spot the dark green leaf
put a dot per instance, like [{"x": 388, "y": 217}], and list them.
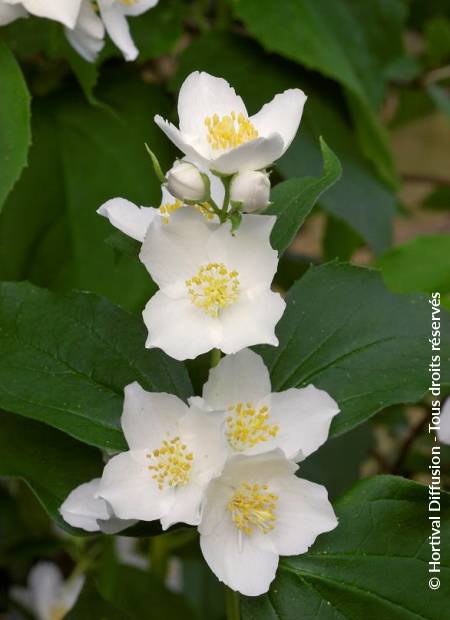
[
  {"x": 422, "y": 264},
  {"x": 66, "y": 359},
  {"x": 293, "y": 199},
  {"x": 92, "y": 606},
  {"x": 132, "y": 590},
  {"x": 374, "y": 565},
  {"x": 344, "y": 332},
  {"x": 81, "y": 156},
  {"x": 359, "y": 198},
  {"x": 438, "y": 199},
  {"x": 340, "y": 241},
  {"x": 50, "y": 462},
  {"x": 15, "y": 134},
  {"x": 332, "y": 37}
]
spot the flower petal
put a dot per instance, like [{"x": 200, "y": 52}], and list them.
[
  {"x": 9, "y": 13},
  {"x": 148, "y": 417},
  {"x": 179, "y": 328},
  {"x": 282, "y": 115},
  {"x": 127, "y": 217},
  {"x": 82, "y": 508},
  {"x": 304, "y": 417},
  {"x": 181, "y": 142},
  {"x": 303, "y": 512},
  {"x": 127, "y": 485},
  {"x": 173, "y": 252},
  {"x": 241, "y": 377},
  {"x": 138, "y": 7},
  {"x": 251, "y": 320},
  {"x": 186, "y": 506},
  {"x": 253, "y": 155},
  {"x": 248, "y": 250},
  {"x": 203, "y": 433},
  {"x": 64, "y": 11},
  {"x": 118, "y": 29},
  {"x": 202, "y": 95}
]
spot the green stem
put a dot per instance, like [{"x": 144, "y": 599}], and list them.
[
  {"x": 159, "y": 558},
  {"x": 215, "y": 357},
  {"x": 232, "y": 604},
  {"x": 226, "y": 199}
]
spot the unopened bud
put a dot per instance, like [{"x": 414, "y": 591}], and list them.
[
  {"x": 185, "y": 182},
  {"x": 252, "y": 189}
]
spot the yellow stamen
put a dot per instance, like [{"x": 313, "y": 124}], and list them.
[
  {"x": 172, "y": 463},
  {"x": 213, "y": 288},
  {"x": 247, "y": 426},
  {"x": 168, "y": 208},
  {"x": 252, "y": 505},
  {"x": 229, "y": 131}
]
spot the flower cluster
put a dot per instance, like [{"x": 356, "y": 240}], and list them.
[
  {"x": 85, "y": 21},
  {"x": 225, "y": 462}
]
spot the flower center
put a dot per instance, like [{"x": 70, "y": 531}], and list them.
[
  {"x": 229, "y": 131},
  {"x": 129, "y": 2},
  {"x": 252, "y": 505},
  {"x": 57, "y": 612},
  {"x": 247, "y": 426},
  {"x": 171, "y": 463},
  {"x": 213, "y": 288},
  {"x": 168, "y": 208}
]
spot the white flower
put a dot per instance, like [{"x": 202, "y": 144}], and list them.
[
  {"x": 64, "y": 11},
  {"x": 252, "y": 188},
  {"x": 9, "y": 13},
  {"x": 47, "y": 595},
  {"x": 444, "y": 428},
  {"x": 185, "y": 182},
  {"x": 256, "y": 511},
  {"x": 83, "y": 508},
  {"x": 216, "y": 131},
  {"x": 296, "y": 420},
  {"x": 214, "y": 287},
  {"x": 88, "y": 35},
  {"x": 174, "y": 452}
]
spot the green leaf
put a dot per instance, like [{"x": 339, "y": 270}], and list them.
[
  {"x": 339, "y": 241},
  {"x": 83, "y": 156},
  {"x": 344, "y": 332},
  {"x": 15, "y": 136},
  {"x": 373, "y": 565},
  {"x": 51, "y": 463},
  {"x": 157, "y": 31},
  {"x": 66, "y": 359},
  {"x": 359, "y": 199},
  {"x": 131, "y": 590},
  {"x": 293, "y": 199},
  {"x": 332, "y": 37},
  {"x": 422, "y": 264},
  {"x": 92, "y": 606}
]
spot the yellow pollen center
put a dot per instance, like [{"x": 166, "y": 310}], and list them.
[
  {"x": 247, "y": 426},
  {"x": 171, "y": 463},
  {"x": 168, "y": 208},
  {"x": 213, "y": 288},
  {"x": 57, "y": 612},
  {"x": 253, "y": 506},
  {"x": 229, "y": 131},
  {"x": 128, "y": 2}
]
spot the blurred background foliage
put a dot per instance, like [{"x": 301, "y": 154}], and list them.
[{"x": 377, "y": 76}]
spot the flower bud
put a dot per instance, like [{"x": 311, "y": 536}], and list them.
[
  {"x": 185, "y": 182},
  {"x": 252, "y": 188}
]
